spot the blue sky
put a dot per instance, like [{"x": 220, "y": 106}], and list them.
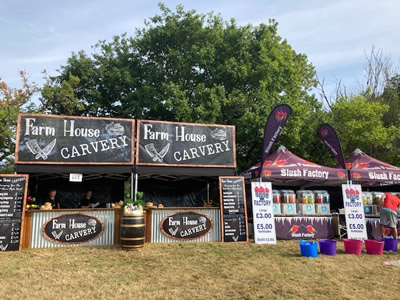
[{"x": 37, "y": 35}]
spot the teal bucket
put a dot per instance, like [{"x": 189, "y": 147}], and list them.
[{"x": 308, "y": 248}]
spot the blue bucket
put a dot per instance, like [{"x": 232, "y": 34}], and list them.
[{"x": 308, "y": 248}]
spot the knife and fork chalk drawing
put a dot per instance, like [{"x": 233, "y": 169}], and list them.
[
  {"x": 157, "y": 156},
  {"x": 34, "y": 147}
]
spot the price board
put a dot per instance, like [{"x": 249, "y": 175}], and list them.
[
  {"x": 12, "y": 210},
  {"x": 233, "y": 209},
  {"x": 354, "y": 212},
  {"x": 263, "y": 213}
]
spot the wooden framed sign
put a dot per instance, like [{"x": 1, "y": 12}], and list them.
[
  {"x": 49, "y": 139},
  {"x": 73, "y": 228},
  {"x": 185, "y": 144},
  {"x": 233, "y": 209},
  {"x": 186, "y": 225},
  {"x": 13, "y": 189}
]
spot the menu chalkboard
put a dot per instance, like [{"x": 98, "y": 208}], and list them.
[
  {"x": 48, "y": 139},
  {"x": 233, "y": 209},
  {"x": 185, "y": 144},
  {"x": 12, "y": 209}
]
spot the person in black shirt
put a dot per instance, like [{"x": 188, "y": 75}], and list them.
[
  {"x": 52, "y": 198},
  {"x": 88, "y": 201}
]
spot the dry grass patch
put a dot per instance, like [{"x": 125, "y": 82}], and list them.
[{"x": 195, "y": 271}]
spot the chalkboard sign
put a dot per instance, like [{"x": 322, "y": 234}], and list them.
[
  {"x": 73, "y": 228},
  {"x": 233, "y": 209},
  {"x": 185, "y": 144},
  {"x": 186, "y": 225},
  {"x": 48, "y": 139},
  {"x": 12, "y": 210}
]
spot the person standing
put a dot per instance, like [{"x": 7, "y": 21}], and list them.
[
  {"x": 389, "y": 214},
  {"x": 52, "y": 198},
  {"x": 88, "y": 201}
]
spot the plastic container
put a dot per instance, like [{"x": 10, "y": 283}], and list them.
[
  {"x": 276, "y": 196},
  {"x": 367, "y": 198},
  {"x": 321, "y": 197},
  {"x": 327, "y": 247},
  {"x": 389, "y": 244},
  {"x": 374, "y": 247},
  {"x": 308, "y": 248},
  {"x": 305, "y": 196},
  {"x": 288, "y": 196},
  {"x": 352, "y": 246}
]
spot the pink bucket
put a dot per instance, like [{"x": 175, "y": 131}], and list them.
[
  {"x": 352, "y": 246},
  {"x": 374, "y": 247}
]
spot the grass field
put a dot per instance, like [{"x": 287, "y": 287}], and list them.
[{"x": 196, "y": 271}]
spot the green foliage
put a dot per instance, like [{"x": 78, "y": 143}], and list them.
[
  {"x": 191, "y": 67},
  {"x": 12, "y": 102},
  {"x": 139, "y": 199},
  {"x": 359, "y": 124}
]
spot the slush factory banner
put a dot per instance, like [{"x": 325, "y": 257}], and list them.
[
  {"x": 183, "y": 144},
  {"x": 47, "y": 139},
  {"x": 354, "y": 212},
  {"x": 263, "y": 214}
]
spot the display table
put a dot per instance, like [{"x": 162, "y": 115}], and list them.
[
  {"x": 307, "y": 227},
  {"x": 71, "y": 227}
]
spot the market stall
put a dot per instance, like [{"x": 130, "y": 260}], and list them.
[
  {"x": 376, "y": 177},
  {"x": 304, "y": 213},
  {"x": 177, "y": 169},
  {"x": 67, "y": 156}
]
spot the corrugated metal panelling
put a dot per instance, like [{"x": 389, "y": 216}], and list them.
[
  {"x": 158, "y": 215},
  {"x": 40, "y": 218}
]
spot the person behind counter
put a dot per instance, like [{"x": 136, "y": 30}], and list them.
[
  {"x": 52, "y": 198},
  {"x": 88, "y": 201}
]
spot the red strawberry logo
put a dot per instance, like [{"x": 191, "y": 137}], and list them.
[
  {"x": 310, "y": 229},
  {"x": 324, "y": 132},
  {"x": 267, "y": 163},
  {"x": 348, "y": 165},
  {"x": 356, "y": 176},
  {"x": 294, "y": 229},
  {"x": 267, "y": 173},
  {"x": 341, "y": 175},
  {"x": 280, "y": 115},
  {"x": 362, "y": 165},
  {"x": 280, "y": 162}
]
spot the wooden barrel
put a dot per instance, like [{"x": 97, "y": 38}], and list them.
[{"x": 132, "y": 232}]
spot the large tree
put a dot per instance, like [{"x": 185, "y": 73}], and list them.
[
  {"x": 185, "y": 66},
  {"x": 12, "y": 102}
]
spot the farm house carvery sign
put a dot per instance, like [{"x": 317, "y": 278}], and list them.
[
  {"x": 73, "y": 228},
  {"x": 186, "y": 225},
  {"x": 183, "y": 144},
  {"x": 51, "y": 139}
]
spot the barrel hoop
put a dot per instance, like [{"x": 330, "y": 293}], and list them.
[
  {"x": 134, "y": 225},
  {"x": 132, "y": 246},
  {"x": 132, "y": 239}
]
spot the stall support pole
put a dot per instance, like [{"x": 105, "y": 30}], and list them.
[
  {"x": 136, "y": 184},
  {"x": 132, "y": 196},
  {"x": 208, "y": 192}
]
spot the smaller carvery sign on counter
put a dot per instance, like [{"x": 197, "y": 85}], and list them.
[
  {"x": 354, "y": 212},
  {"x": 263, "y": 213},
  {"x": 73, "y": 228},
  {"x": 48, "y": 139},
  {"x": 185, "y": 144},
  {"x": 233, "y": 209},
  {"x": 186, "y": 225}
]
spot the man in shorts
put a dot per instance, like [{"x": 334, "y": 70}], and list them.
[{"x": 389, "y": 214}]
